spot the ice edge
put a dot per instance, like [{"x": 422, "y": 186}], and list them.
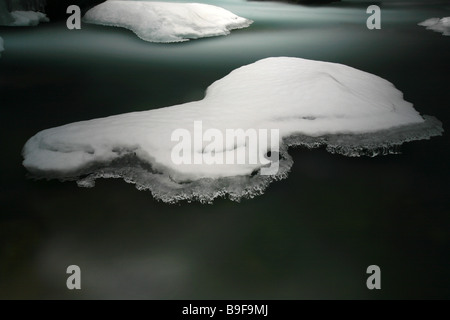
[{"x": 205, "y": 190}]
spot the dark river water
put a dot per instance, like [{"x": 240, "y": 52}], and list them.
[{"x": 312, "y": 235}]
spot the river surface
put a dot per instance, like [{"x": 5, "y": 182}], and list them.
[{"x": 312, "y": 235}]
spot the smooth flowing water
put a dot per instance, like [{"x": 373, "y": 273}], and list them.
[{"x": 310, "y": 236}]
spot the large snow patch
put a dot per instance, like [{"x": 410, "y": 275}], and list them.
[
  {"x": 166, "y": 21},
  {"x": 311, "y": 103}
]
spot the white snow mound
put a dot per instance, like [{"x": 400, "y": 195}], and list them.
[
  {"x": 311, "y": 103},
  {"x": 23, "y": 18},
  {"x": 166, "y": 21},
  {"x": 28, "y": 18},
  {"x": 438, "y": 25}
]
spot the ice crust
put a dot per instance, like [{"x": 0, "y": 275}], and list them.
[{"x": 439, "y": 25}]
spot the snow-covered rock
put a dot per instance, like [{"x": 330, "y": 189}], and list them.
[
  {"x": 27, "y": 18},
  {"x": 22, "y": 13},
  {"x": 311, "y": 103},
  {"x": 438, "y": 25},
  {"x": 165, "y": 21},
  {"x": 22, "y": 18}
]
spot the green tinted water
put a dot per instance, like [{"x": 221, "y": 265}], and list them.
[{"x": 310, "y": 236}]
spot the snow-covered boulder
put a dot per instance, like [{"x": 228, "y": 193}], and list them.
[
  {"x": 23, "y": 13},
  {"x": 309, "y": 103},
  {"x": 166, "y": 21},
  {"x": 27, "y": 18}
]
